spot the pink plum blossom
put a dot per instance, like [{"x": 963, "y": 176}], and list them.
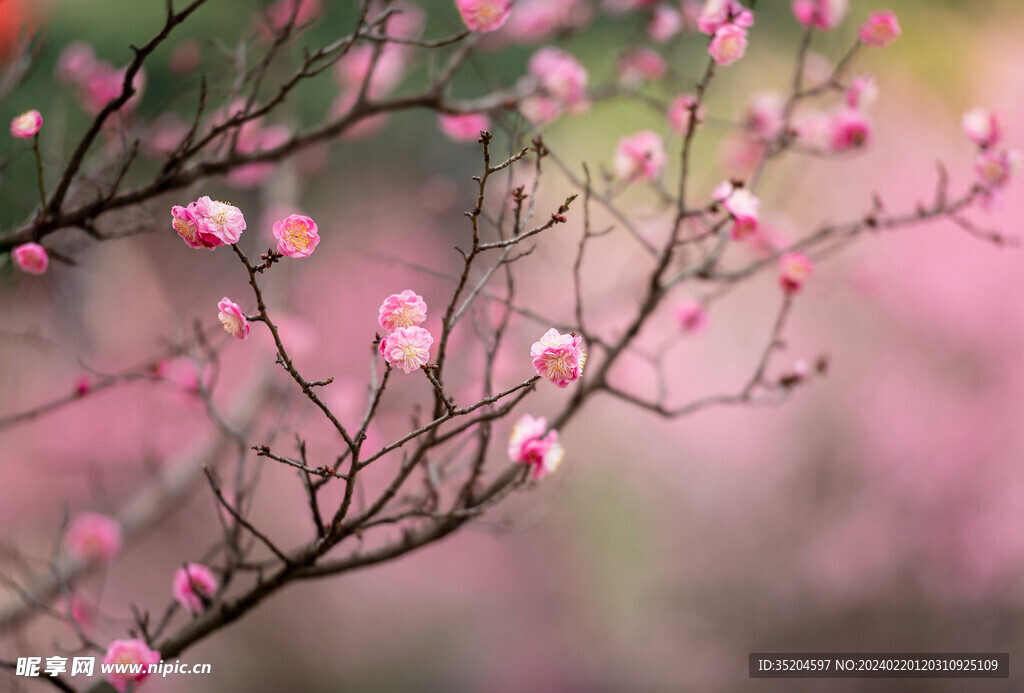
[
  {"x": 539, "y": 110},
  {"x": 219, "y": 219},
  {"x": 666, "y": 23},
  {"x": 849, "y": 130},
  {"x": 31, "y": 258},
  {"x": 560, "y": 75},
  {"x": 640, "y": 156},
  {"x": 728, "y": 45},
  {"x": 862, "y": 92},
  {"x": 75, "y": 63},
  {"x": 464, "y": 127},
  {"x": 484, "y": 15},
  {"x": 193, "y": 586},
  {"x": 280, "y": 13},
  {"x": 880, "y": 29},
  {"x": 297, "y": 236},
  {"x": 164, "y": 135},
  {"x": 407, "y": 348},
  {"x": 820, "y": 14},
  {"x": 742, "y": 206},
  {"x": 127, "y": 652},
  {"x": 536, "y": 20},
  {"x": 679, "y": 112},
  {"x": 354, "y": 67},
  {"x": 105, "y": 83},
  {"x": 184, "y": 221},
  {"x": 794, "y": 270},
  {"x": 232, "y": 318},
  {"x": 93, "y": 537},
  {"x": 641, "y": 64},
  {"x": 691, "y": 316},
  {"x": 559, "y": 357},
  {"x": 402, "y": 310},
  {"x": 996, "y": 168},
  {"x": 528, "y": 444},
  {"x": 26, "y": 125},
  {"x": 720, "y": 13},
  {"x": 763, "y": 117},
  {"x": 983, "y": 127}
]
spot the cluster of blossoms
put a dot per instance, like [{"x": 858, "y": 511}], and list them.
[
  {"x": 726, "y": 22},
  {"x": 27, "y": 125},
  {"x": 97, "y": 82},
  {"x": 559, "y": 357},
  {"x": 129, "y": 652},
  {"x": 532, "y": 444},
  {"x": 208, "y": 223},
  {"x": 563, "y": 86},
  {"x": 193, "y": 586},
  {"x": 994, "y": 166},
  {"x": 406, "y": 345}
]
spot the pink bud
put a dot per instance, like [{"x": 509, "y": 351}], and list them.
[{"x": 31, "y": 258}]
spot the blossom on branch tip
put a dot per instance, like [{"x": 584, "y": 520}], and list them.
[
  {"x": 728, "y": 45},
  {"x": 402, "y": 310},
  {"x": 218, "y": 219},
  {"x": 93, "y": 537},
  {"x": 297, "y": 236},
  {"x": 31, "y": 258},
  {"x": 407, "y": 348},
  {"x": 794, "y": 270},
  {"x": 484, "y": 15},
  {"x": 559, "y": 357},
  {"x": 880, "y": 29},
  {"x": 463, "y": 127},
  {"x": 528, "y": 444},
  {"x": 983, "y": 127},
  {"x": 192, "y": 586},
  {"x": 26, "y": 125},
  {"x": 996, "y": 168},
  {"x": 742, "y": 205},
  {"x": 232, "y": 318},
  {"x": 126, "y": 653},
  {"x": 640, "y": 156},
  {"x": 820, "y": 14}
]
